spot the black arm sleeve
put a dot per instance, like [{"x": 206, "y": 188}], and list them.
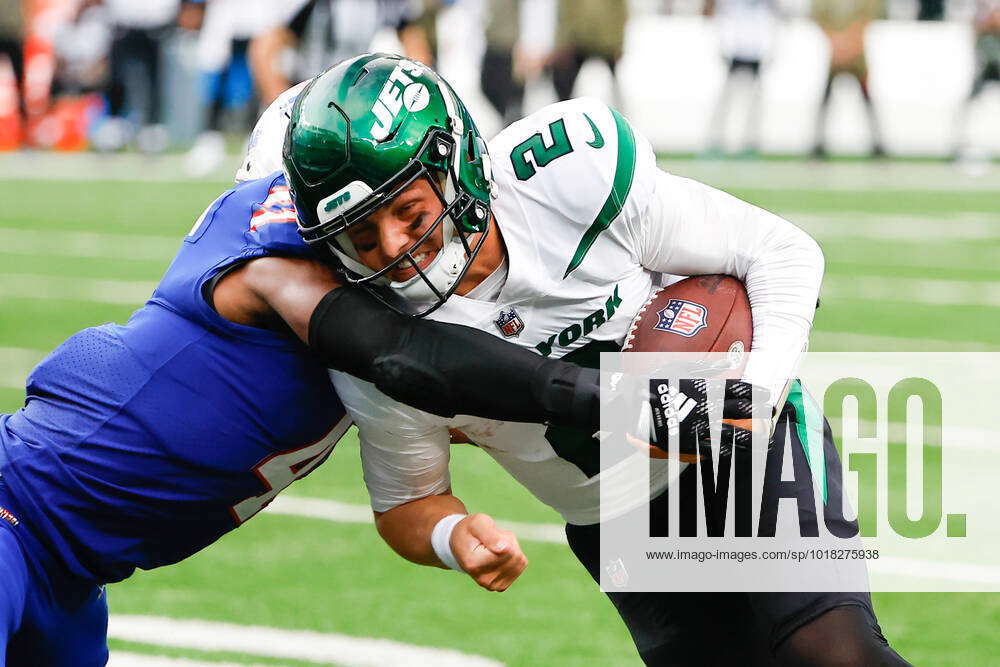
[{"x": 448, "y": 369}]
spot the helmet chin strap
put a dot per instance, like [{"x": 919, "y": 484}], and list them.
[
  {"x": 444, "y": 269},
  {"x": 442, "y": 273}
]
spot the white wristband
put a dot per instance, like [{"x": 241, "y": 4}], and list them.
[{"x": 441, "y": 540}]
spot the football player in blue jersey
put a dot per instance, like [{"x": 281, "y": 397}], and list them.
[{"x": 140, "y": 444}]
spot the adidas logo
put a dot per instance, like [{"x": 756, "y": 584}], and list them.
[{"x": 675, "y": 406}]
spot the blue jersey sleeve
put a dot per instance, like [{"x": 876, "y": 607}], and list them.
[
  {"x": 252, "y": 220},
  {"x": 141, "y": 443}
]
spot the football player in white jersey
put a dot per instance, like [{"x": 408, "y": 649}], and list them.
[{"x": 555, "y": 245}]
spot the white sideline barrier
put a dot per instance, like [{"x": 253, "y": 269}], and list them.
[
  {"x": 672, "y": 72},
  {"x": 921, "y": 75}
]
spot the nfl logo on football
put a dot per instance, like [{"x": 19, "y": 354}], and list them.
[
  {"x": 509, "y": 323},
  {"x": 685, "y": 318}
]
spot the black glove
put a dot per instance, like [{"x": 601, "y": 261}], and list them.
[{"x": 684, "y": 407}]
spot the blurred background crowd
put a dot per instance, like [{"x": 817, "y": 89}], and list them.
[{"x": 706, "y": 77}]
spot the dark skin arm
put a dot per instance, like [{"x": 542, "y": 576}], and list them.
[{"x": 276, "y": 293}]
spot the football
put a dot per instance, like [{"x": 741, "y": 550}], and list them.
[{"x": 697, "y": 314}]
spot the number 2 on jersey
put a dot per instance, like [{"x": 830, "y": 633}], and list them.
[{"x": 540, "y": 153}]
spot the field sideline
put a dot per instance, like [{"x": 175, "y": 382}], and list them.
[{"x": 907, "y": 268}]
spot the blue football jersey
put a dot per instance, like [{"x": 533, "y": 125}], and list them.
[{"x": 139, "y": 444}]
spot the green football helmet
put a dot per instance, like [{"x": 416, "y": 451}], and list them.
[{"x": 362, "y": 132}]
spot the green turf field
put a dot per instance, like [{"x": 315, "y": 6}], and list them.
[{"x": 77, "y": 253}]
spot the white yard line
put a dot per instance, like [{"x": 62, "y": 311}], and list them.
[
  {"x": 319, "y": 508},
  {"x": 910, "y": 290},
  {"x": 332, "y": 510},
  {"x": 550, "y": 533},
  {"x": 835, "y": 287},
  {"x": 728, "y": 174},
  {"x": 16, "y": 241},
  {"x": 15, "y": 364},
  {"x": 90, "y": 290},
  {"x": 918, "y": 254},
  {"x": 129, "y": 659},
  {"x": 965, "y": 573},
  {"x": 912, "y": 228},
  {"x": 961, "y": 227},
  {"x": 839, "y": 341},
  {"x": 89, "y": 167},
  {"x": 831, "y": 176},
  {"x": 953, "y": 437},
  {"x": 289, "y": 644}
]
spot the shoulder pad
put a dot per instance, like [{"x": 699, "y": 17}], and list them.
[{"x": 576, "y": 155}]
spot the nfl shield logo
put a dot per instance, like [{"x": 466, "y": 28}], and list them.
[
  {"x": 509, "y": 323},
  {"x": 617, "y": 573},
  {"x": 681, "y": 317}
]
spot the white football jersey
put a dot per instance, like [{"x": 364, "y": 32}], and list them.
[
  {"x": 589, "y": 223},
  {"x": 562, "y": 176}
]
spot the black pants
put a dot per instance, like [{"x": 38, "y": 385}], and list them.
[
  {"x": 824, "y": 105},
  {"x": 716, "y": 132},
  {"x": 985, "y": 72},
  {"x": 135, "y": 59},
  {"x": 499, "y": 86},
  {"x": 692, "y": 629},
  {"x": 14, "y": 49},
  {"x": 566, "y": 67}
]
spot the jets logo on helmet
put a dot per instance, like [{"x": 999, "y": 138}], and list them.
[
  {"x": 361, "y": 133},
  {"x": 341, "y": 201},
  {"x": 398, "y": 89}
]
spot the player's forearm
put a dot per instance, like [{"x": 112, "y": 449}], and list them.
[
  {"x": 407, "y": 528},
  {"x": 783, "y": 282},
  {"x": 416, "y": 46},
  {"x": 263, "y": 55},
  {"x": 696, "y": 229},
  {"x": 447, "y": 369}
]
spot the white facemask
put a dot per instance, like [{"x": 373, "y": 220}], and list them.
[{"x": 442, "y": 272}]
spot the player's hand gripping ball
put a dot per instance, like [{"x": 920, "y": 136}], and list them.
[{"x": 703, "y": 314}]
